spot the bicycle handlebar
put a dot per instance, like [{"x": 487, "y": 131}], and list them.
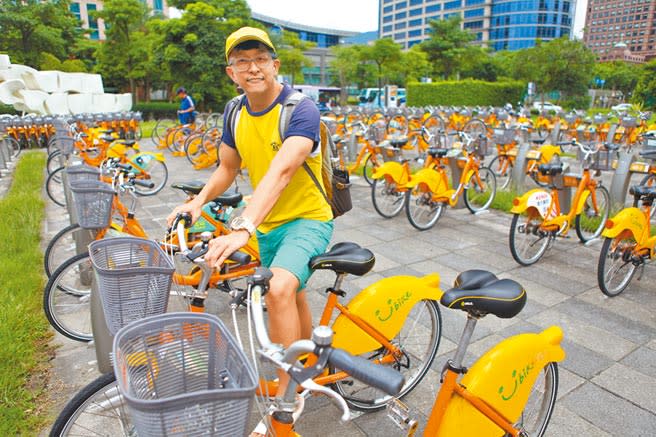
[
  {"x": 145, "y": 184},
  {"x": 384, "y": 378}
]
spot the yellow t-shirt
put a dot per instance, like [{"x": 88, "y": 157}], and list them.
[{"x": 257, "y": 141}]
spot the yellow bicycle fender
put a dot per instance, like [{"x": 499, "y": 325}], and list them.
[
  {"x": 628, "y": 219},
  {"x": 503, "y": 378},
  {"x": 427, "y": 179},
  {"x": 385, "y": 305},
  {"x": 393, "y": 170},
  {"x": 537, "y": 198},
  {"x": 581, "y": 204}
]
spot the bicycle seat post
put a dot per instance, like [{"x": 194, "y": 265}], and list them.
[{"x": 465, "y": 338}]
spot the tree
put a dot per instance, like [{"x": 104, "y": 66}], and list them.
[
  {"x": 645, "y": 90},
  {"x": 559, "y": 65},
  {"x": 344, "y": 68},
  {"x": 618, "y": 76},
  {"x": 447, "y": 46},
  {"x": 31, "y": 27},
  {"x": 386, "y": 55},
  {"x": 193, "y": 48},
  {"x": 121, "y": 56},
  {"x": 290, "y": 49},
  {"x": 478, "y": 64}
]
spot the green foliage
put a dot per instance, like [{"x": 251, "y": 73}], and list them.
[
  {"x": 49, "y": 62},
  {"x": 198, "y": 62},
  {"x": 559, "y": 65},
  {"x": 465, "y": 92},
  {"x": 73, "y": 66},
  {"x": 576, "y": 102},
  {"x": 447, "y": 47},
  {"x": 645, "y": 91},
  {"x": 290, "y": 48},
  {"x": 386, "y": 55},
  {"x": 32, "y": 27},
  {"x": 24, "y": 331},
  {"x": 156, "y": 110},
  {"x": 8, "y": 109},
  {"x": 618, "y": 75}
]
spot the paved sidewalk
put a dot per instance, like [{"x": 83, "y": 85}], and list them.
[{"x": 607, "y": 382}]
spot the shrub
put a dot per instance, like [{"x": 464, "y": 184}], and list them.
[
  {"x": 575, "y": 102},
  {"x": 8, "y": 109},
  {"x": 464, "y": 93},
  {"x": 157, "y": 110}
]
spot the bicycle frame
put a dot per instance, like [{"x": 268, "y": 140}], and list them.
[
  {"x": 494, "y": 391},
  {"x": 373, "y": 316},
  {"x": 547, "y": 204}
]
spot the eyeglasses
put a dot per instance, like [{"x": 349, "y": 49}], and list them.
[{"x": 244, "y": 64}]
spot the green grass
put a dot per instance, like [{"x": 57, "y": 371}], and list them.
[
  {"x": 503, "y": 200},
  {"x": 147, "y": 128},
  {"x": 24, "y": 332}
]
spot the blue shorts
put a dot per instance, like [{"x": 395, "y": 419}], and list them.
[{"x": 291, "y": 246}]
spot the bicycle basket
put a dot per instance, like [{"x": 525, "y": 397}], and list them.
[
  {"x": 183, "y": 374},
  {"x": 133, "y": 277},
  {"x": 79, "y": 172},
  {"x": 93, "y": 203},
  {"x": 504, "y": 136},
  {"x": 602, "y": 160}
]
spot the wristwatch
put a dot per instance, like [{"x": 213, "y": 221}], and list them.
[{"x": 239, "y": 223}]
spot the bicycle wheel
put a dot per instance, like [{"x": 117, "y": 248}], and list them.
[
  {"x": 370, "y": 164},
  {"x": 418, "y": 340},
  {"x": 527, "y": 242},
  {"x": 501, "y": 166},
  {"x": 433, "y": 131},
  {"x": 480, "y": 192},
  {"x": 615, "y": 268},
  {"x": 55, "y": 187},
  {"x": 536, "y": 414},
  {"x": 98, "y": 409},
  {"x": 590, "y": 223},
  {"x": 154, "y": 171},
  {"x": 387, "y": 199},
  {"x": 54, "y": 161},
  {"x": 66, "y": 298},
  {"x": 161, "y": 128},
  {"x": 193, "y": 147},
  {"x": 475, "y": 128},
  {"x": 62, "y": 247},
  {"x": 421, "y": 210}
]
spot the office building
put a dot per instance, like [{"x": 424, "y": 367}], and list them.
[
  {"x": 83, "y": 10},
  {"x": 498, "y": 24},
  {"x": 320, "y": 54},
  {"x": 621, "y": 29}
]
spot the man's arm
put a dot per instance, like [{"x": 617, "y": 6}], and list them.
[
  {"x": 288, "y": 160},
  {"x": 220, "y": 181}
]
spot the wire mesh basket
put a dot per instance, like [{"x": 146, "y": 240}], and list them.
[
  {"x": 134, "y": 279},
  {"x": 182, "y": 374},
  {"x": 504, "y": 136},
  {"x": 80, "y": 172},
  {"x": 377, "y": 131},
  {"x": 93, "y": 203},
  {"x": 602, "y": 160}
]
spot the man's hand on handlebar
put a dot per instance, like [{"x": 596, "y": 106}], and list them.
[
  {"x": 222, "y": 247},
  {"x": 190, "y": 208}
]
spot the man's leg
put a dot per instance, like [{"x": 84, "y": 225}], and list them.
[
  {"x": 284, "y": 320},
  {"x": 304, "y": 314}
]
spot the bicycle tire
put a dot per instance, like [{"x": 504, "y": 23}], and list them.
[
  {"x": 420, "y": 204},
  {"x": 479, "y": 197},
  {"x": 389, "y": 201},
  {"x": 588, "y": 219},
  {"x": 193, "y": 147},
  {"x": 52, "y": 162},
  {"x": 425, "y": 325},
  {"x": 161, "y": 129},
  {"x": 55, "y": 187},
  {"x": 434, "y": 129},
  {"x": 98, "y": 408},
  {"x": 369, "y": 166},
  {"x": 615, "y": 262},
  {"x": 518, "y": 248},
  {"x": 503, "y": 177},
  {"x": 61, "y": 247},
  {"x": 546, "y": 388},
  {"x": 156, "y": 172},
  {"x": 66, "y": 298},
  {"x": 475, "y": 127}
]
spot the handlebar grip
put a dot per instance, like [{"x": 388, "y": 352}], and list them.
[
  {"x": 375, "y": 375},
  {"x": 144, "y": 183},
  {"x": 240, "y": 257},
  {"x": 127, "y": 167}
]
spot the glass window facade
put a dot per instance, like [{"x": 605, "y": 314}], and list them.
[{"x": 93, "y": 24}]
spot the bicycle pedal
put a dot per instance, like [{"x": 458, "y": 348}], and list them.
[{"x": 402, "y": 416}]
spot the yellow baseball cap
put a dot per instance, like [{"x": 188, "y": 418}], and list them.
[{"x": 247, "y": 34}]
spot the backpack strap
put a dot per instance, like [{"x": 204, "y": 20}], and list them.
[
  {"x": 288, "y": 106},
  {"x": 231, "y": 109}
]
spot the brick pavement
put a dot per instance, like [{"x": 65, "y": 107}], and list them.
[{"x": 607, "y": 382}]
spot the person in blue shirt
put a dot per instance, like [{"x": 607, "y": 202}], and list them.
[{"x": 187, "y": 107}]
